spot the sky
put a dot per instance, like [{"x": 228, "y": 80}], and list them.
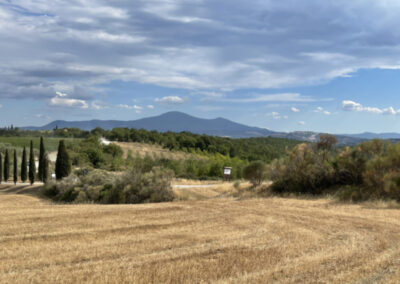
[{"x": 330, "y": 66}]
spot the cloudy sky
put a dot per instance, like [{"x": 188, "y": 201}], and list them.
[{"x": 285, "y": 65}]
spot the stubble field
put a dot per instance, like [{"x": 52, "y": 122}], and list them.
[{"x": 221, "y": 240}]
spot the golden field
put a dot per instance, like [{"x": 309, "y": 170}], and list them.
[
  {"x": 220, "y": 240},
  {"x": 143, "y": 149}
]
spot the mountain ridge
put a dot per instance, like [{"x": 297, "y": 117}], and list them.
[{"x": 175, "y": 121}]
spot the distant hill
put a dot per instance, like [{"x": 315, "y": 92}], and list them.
[
  {"x": 170, "y": 121},
  {"x": 370, "y": 135},
  {"x": 177, "y": 122}
]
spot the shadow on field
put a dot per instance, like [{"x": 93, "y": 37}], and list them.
[{"x": 19, "y": 189}]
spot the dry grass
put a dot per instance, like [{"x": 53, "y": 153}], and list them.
[
  {"x": 202, "y": 192},
  {"x": 272, "y": 240},
  {"x": 143, "y": 149}
]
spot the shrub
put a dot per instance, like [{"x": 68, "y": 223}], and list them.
[
  {"x": 99, "y": 186},
  {"x": 256, "y": 172}
]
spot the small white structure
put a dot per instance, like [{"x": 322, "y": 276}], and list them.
[
  {"x": 104, "y": 141},
  {"x": 227, "y": 173}
]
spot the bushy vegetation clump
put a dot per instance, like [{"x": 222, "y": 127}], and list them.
[
  {"x": 255, "y": 172},
  {"x": 133, "y": 186},
  {"x": 370, "y": 170}
]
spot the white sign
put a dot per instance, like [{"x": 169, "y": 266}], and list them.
[{"x": 227, "y": 171}]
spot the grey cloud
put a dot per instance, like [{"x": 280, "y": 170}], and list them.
[{"x": 199, "y": 45}]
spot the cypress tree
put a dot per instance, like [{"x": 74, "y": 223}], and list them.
[
  {"x": 24, "y": 174},
  {"x": 1, "y": 168},
  {"x": 63, "y": 165},
  {"x": 45, "y": 168},
  {"x": 15, "y": 167},
  {"x": 41, "y": 159},
  {"x": 6, "y": 166},
  {"x": 32, "y": 166}
]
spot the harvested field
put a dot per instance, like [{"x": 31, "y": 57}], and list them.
[
  {"x": 218, "y": 240},
  {"x": 201, "y": 190}
]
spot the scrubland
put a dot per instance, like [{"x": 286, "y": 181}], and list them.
[{"x": 218, "y": 240}]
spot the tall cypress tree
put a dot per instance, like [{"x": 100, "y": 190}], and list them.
[
  {"x": 32, "y": 166},
  {"x": 45, "y": 168},
  {"x": 1, "y": 168},
  {"x": 15, "y": 167},
  {"x": 41, "y": 159},
  {"x": 6, "y": 166},
  {"x": 63, "y": 165},
  {"x": 24, "y": 173}
]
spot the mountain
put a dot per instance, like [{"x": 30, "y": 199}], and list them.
[
  {"x": 170, "y": 121},
  {"x": 177, "y": 122},
  {"x": 370, "y": 135}
]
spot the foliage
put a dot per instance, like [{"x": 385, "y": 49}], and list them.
[
  {"x": 21, "y": 141},
  {"x": 370, "y": 170},
  {"x": 24, "y": 174},
  {"x": 15, "y": 167},
  {"x": 45, "y": 170},
  {"x": 63, "y": 164},
  {"x": 6, "y": 166},
  {"x": 42, "y": 161},
  {"x": 256, "y": 172},
  {"x": 134, "y": 186},
  {"x": 251, "y": 149},
  {"x": 32, "y": 165},
  {"x": 1, "y": 168}
]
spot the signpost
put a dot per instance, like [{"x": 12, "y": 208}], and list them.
[{"x": 227, "y": 173}]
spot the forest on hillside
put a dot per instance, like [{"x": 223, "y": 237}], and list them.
[{"x": 249, "y": 149}]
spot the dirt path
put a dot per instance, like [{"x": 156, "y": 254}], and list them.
[
  {"x": 20, "y": 188},
  {"x": 214, "y": 241}
]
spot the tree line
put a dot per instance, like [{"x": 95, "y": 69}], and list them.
[
  {"x": 28, "y": 167},
  {"x": 250, "y": 149}
]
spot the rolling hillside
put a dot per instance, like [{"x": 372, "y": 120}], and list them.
[{"x": 178, "y": 122}]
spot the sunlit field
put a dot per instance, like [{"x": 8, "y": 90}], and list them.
[
  {"x": 51, "y": 143},
  {"x": 218, "y": 240}
]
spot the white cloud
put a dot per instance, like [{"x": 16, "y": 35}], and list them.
[
  {"x": 284, "y": 97},
  {"x": 95, "y": 42},
  {"x": 301, "y": 123},
  {"x": 42, "y": 116},
  {"x": 170, "y": 100},
  {"x": 277, "y": 116},
  {"x": 1, "y": 106},
  {"x": 293, "y": 109},
  {"x": 321, "y": 110},
  {"x": 137, "y": 108},
  {"x": 150, "y": 106},
  {"x": 348, "y": 105},
  {"x": 61, "y": 100},
  {"x": 97, "y": 105}
]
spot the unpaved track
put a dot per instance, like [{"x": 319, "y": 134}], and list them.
[{"x": 218, "y": 240}]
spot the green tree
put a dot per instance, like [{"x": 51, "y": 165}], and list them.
[
  {"x": 63, "y": 165},
  {"x": 256, "y": 172},
  {"x": 6, "y": 166},
  {"x": 32, "y": 166},
  {"x": 1, "y": 168},
  {"x": 42, "y": 161},
  {"x": 15, "y": 167},
  {"x": 45, "y": 173},
  {"x": 24, "y": 174}
]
